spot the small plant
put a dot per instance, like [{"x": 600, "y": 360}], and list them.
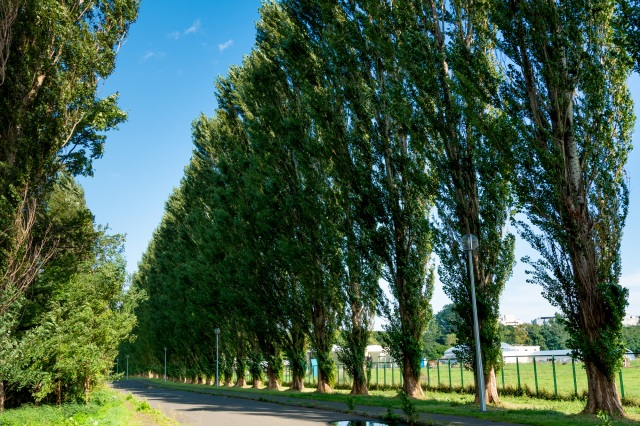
[
  {"x": 391, "y": 417},
  {"x": 143, "y": 406},
  {"x": 351, "y": 405},
  {"x": 408, "y": 406},
  {"x": 605, "y": 418}
]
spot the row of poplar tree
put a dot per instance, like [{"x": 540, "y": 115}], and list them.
[
  {"x": 361, "y": 137},
  {"x": 63, "y": 311}
]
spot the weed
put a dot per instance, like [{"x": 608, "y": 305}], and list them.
[
  {"x": 391, "y": 417},
  {"x": 143, "y": 406},
  {"x": 408, "y": 406},
  {"x": 350, "y": 403},
  {"x": 605, "y": 418}
]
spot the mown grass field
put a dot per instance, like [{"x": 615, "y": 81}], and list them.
[
  {"x": 538, "y": 379},
  {"x": 107, "y": 407},
  {"x": 512, "y": 409}
]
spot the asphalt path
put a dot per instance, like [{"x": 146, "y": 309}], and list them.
[{"x": 196, "y": 409}]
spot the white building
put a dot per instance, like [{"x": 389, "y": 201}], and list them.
[
  {"x": 542, "y": 320},
  {"x": 509, "y": 320},
  {"x": 631, "y": 320}
]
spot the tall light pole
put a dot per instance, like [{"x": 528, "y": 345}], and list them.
[
  {"x": 470, "y": 243},
  {"x": 217, "y": 331},
  {"x": 127, "y": 366},
  {"x": 165, "y": 364},
  {"x": 117, "y": 366}
]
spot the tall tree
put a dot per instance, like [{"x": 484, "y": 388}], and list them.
[
  {"x": 400, "y": 173},
  {"x": 53, "y": 57},
  {"x": 567, "y": 95},
  {"x": 452, "y": 73}
]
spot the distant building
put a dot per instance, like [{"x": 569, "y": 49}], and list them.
[
  {"x": 631, "y": 320},
  {"x": 509, "y": 320},
  {"x": 542, "y": 320}
]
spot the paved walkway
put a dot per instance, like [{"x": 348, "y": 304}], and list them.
[{"x": 279, "y": 408}]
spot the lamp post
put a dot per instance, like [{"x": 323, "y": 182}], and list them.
[
  {"x": 117, "y": 366},
  {"x": 470, "y": 243},
  {"x": 165, "y": 364},
  {"x": 127, "y": 366},
  {"x": 217, "y": 331}
]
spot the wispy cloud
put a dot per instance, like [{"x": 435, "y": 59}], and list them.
[
  {"x": 194, "y": 28},
  {"x": 150, "y": 54},
  {"x": 225, "y": 45}
]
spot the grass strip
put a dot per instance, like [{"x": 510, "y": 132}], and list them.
[
  {"x": 512, "y": 409},
  {"x": 106, "y": 407}
]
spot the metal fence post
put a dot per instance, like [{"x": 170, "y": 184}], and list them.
[
  {"x": 518, "y": 370},
  {"x": 428, "y": 375},
  {"x": 450, "y": 374},
  {"x": 392, "y": 375},
  {"x": 535, "y": 374},
  {"x": 384, "y": 371},
  {"x": 461, "y": 375},
  {"x": 438, "y": 373},
  {"x": 555, "y": 383},
  {"x": 377, "y": 365},
  {"x": 502, "y": 369},
  {"x": 621, "y": 384},
  {"x": 573, "y": 367}
]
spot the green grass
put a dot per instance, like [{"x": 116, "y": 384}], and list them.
[
  {"x": 513, "y": 409},
  {"x": 455, "y": 377},
  {"x": 106, "y": 407}
]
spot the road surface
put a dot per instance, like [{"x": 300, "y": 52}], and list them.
[{"x": 196, "y": 409}]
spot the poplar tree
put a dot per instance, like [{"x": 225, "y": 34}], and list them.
[
  {"x": 54, "y": 56},
  {"x": 454, "y": 78},
  {"x": 566, "y": 93}
]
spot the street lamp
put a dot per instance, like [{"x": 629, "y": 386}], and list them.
[
  {"x": 127, "y": 366},
  {"x": 117, "y": 369},
  {"x": 470, "y": 243},
  {"x": 165, "y": 364},
  {"x": 217, "y": 331}
]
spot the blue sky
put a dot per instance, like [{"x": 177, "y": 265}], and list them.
[{"x": 165, "y": 74}]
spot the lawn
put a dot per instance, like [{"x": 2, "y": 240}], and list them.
[
  {"x": 538, "y": 378},
  {"x": 107, "y": 407},
  {"x": 523, "y": 410}
]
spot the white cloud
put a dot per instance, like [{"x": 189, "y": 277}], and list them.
[
  {"x": 150, "y": 54},
  {"x": 193, "y": 28},
  {"x": 226, "y": 45}
]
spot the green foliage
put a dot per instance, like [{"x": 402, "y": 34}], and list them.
[
  {"x": 631, "y": 337},
  {"x": 75, "y": 314},
  {"x": 569, "y": 173},
  {"x": 408, "y": 406}
]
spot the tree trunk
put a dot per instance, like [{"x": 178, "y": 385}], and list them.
[
  {"x": 490, "y": 389},
  {"x": 359, "y": 387},
  {"x": 603, "y": 394},
  {"x": 273, "y": 382},
  {"x": 256, "y": 383},
  {"x": 410, "y": 385},
  {"x": 1, "y": 396},
  {"x": 241, "y": 382},
  {"x": 86, "y": 391},
  {"x": 297, "y": 383},
  {"x": 323, "y": 384}
]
